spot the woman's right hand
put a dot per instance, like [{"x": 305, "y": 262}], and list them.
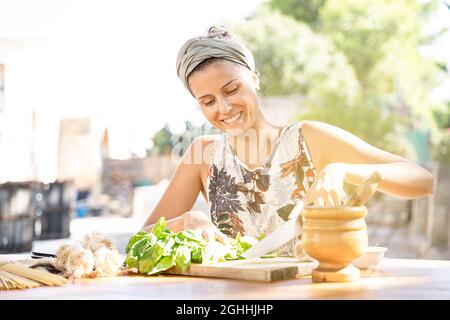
[
  {"x": 328, "y": 188},
  {"x": 198, "y": 221}
]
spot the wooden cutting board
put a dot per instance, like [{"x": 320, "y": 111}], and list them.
[{"x": 257, "y": 269}]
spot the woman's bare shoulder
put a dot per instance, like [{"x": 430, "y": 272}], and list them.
[
  {"x": 330, "y": 144},
  {"x": 319, "y": 127},
  {"x": 205, "y": 141},
  {"x": 201, "y": 148},
  {"x": 321, "y": 138},
  {"x": 325, "y": 132}
]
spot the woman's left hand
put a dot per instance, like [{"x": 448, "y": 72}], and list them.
[{"x": 328, "y": 189}]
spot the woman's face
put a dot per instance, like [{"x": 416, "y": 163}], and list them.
[{"x": 226, "y": 93}]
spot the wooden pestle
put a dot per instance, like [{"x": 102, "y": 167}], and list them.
[{"x": 364, "y": 191}]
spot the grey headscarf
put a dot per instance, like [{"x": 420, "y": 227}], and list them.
[{"x": 197, "y": 50}]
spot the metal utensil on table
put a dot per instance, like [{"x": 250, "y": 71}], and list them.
[
  {"x": 280, "y": 236},
  {"x": 39, "y": 255}
]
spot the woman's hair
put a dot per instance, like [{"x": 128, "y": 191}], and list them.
[
  {"x": 219, "y": 32},
  {"x": 217, "y": 45},
  {"x": 214, "y": 33}
]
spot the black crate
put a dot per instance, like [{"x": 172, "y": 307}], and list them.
[
  {"x": 16, "y": 217},
  {"x": 52, "y": 224},
  {"x": 54, "y": 204},
  {"x": 58, "y": 195},
  {"x": 16, "y": 235}
]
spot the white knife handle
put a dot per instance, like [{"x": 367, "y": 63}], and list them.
[{"x": 296, "y": 214}]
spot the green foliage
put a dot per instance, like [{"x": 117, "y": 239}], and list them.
[
  {"x": 356, "y": 64},
  {"x": 382, "y": 47},
  {"x": 292, "y": 59},
  {"x": 367, "y": 121},
  {"x": 307, "y": 11},
  {"x": 161, "y": 249},
  {"x": 441, "y": 150},
  {"x": 162, "y": 141},
  {"x": 442, "y": 116},
  {"x": 183, "y": 140}
]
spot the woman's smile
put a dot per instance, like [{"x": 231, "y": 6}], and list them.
[{"x": 230, "y": 121}]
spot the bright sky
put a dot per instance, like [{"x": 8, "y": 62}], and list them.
[
  {"x": 110, "y": 59},
  {"x": 440, "y": 50},
  {"x": 113, "y": 60}
]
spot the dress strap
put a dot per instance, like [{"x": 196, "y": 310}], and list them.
[
  {"x": 241, "y": 163},
  {"x": 304, "y": 147}
]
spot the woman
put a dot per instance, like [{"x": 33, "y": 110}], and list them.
[{"x": 252, "y": 174}]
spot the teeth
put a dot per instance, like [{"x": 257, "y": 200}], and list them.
[{"x": 233, "y": 119}]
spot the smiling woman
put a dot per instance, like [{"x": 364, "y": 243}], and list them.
[{"x": 254, "y": 172}]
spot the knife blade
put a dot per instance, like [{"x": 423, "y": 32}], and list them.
[{"x": 280, "y": 236}]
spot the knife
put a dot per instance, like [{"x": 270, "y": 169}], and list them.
[{"x": 285, "y": 232}]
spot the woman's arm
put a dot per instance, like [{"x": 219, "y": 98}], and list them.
[
  {"x": 175, "y": 224},
  {"x": 336, "y": 150},
  {"x": 182, "y": 191}
]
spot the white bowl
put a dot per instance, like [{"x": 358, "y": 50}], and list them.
[{"x": 370, "y": 258}]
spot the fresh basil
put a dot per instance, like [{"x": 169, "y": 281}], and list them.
[{"x": 161, "y": 249}]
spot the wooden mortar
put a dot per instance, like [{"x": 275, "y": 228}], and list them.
[{"x": 335, "y": 237}]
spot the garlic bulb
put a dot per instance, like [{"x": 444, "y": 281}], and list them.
[
  {"x": 62, "y": 254},
  {"x": 74, "y": 260},
  {"x": 107, "y": 261},
  {"x": 79, "y": 263},
  {"x": 94, "y": 255},
  {"x": 95, "y": 240}
]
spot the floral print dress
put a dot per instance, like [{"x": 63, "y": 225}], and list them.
[{"x": 256, "y": 201}]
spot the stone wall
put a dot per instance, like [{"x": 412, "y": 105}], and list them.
[
  {"x": 426, "y": 231},
  {"x": 429, "y": 229},
  {"x": 120, "y": 176},
  {"x": 418, "y": 228},
  {"x": 2, "y": 87}
]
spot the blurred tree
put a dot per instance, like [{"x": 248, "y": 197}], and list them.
[
  {"x": 382, "y": 45},
  {"x": 292, "y": 59},
  {"x": 183, "y": 140},
  {"x": 357, "y": 62},
  {"x": 166, "y": 142},
  {"x": 307, "y": 11},
  {"x": 441, "y": 151},
  {"x": 162, "y": 141},
  {"x": 442, "y": 117}
]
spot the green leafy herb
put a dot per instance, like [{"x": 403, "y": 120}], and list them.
[
  {"x": 163, "y": 264},
  {"x": 162, "y": 249},
  {"x": 135, "y": 238},
  {"x": 183, "y": 257},
  {"x": 151, "y": 257},
  {"x": 261, "y": 236},
  {"x": 160, "y": 227}
]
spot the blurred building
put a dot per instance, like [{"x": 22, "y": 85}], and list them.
[
  {"x": 79, "y": 153},
  {"x": 2, "y": 87}
]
